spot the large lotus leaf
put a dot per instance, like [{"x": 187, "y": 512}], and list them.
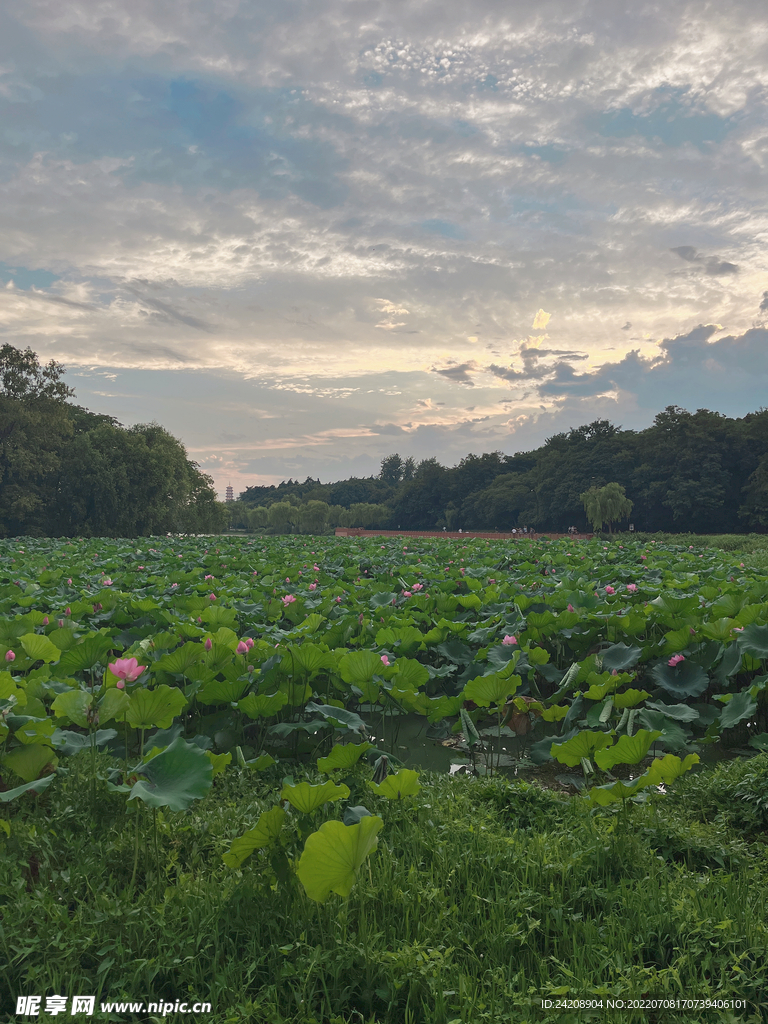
[
  {"x": 677, "y": 640},
  {"x": 403, "y": 639},
  {"x": 29, "y": 787},
  {"x": 29, "y": 760},
  {"x": 404, "y": 782},
  {"x": 718, "y": 629},
  {"x": 740, "y": 706},
  {"x": 218, "y": 761},
  {"x": 456, "y": 651},
  {"x": 264, "y": 833},
  {"x": 753, "y": 640},
  {"x": 339, "y": 717},
  {"x": 620, "y": 657},
  {"x": 114, "y": 704},
  {"x": 40, "y": 648},
  {"x": 680, "y": 712},
  {"x": 311, "y": 624},
  {"x": 628, "y": 750},
  {"x": 555, "y": 713},
  {"x": 311, "y": 659},
  {"x": 410, "y": 674},
  {"x": 174, "y": 778},
  {"x": 158, "y": 707},
  {"x": 360, "y": 667},
  {"x": 672, "y": 735},
  {"x": 491, "y": 689},
  {"x": 333, "y": 855},
  {"x": 9, "y": 688},
  {"x": 670, "y": 602},
  {"x": 668, "y": 768},
  {"x": 583, "y": 744},
  {"x": 613, "y": 792},
  {"x": 686, "y": 679},
  {"x": 84, "y": 655},
  {"x": 600, "y": 690},
  {"x": 32, "y": 730},
  {"x": 307, "y": 798},
  {"x": 180, "y": 660},
  {"x": 68, "y": 742},
  {"x": 218, "y": 615},
  {"x": 438, "y": 708},
  {"x": 263, "y": 705},
  {"x": 382, "y": 598},
  {"x": 74, "y": 705},
  {"x": 729, "y": 665},
  {"x": 729, "y": 604},
  {"x": 629, "y": 699},
  {"x": 758, "y": 742},
  {"x": 222, "y": 691},
  {"x": 343, "y": 755},
  {"x": 469, "y": 600}
]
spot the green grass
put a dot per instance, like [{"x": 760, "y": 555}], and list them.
[{"x": 483, "y": 898}]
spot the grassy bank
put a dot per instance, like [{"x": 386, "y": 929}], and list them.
[{"x": 482, "y": 899}]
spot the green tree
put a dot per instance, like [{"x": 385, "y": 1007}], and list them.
[
  {"x": 391, "y": 469},
  {"x": 281, "y": 516},
  {"x": 606, "y": 505},
  {"x": 313, "y": 516}
]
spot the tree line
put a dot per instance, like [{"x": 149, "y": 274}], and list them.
[
  {"x": 65, "y": 471},
  {"x": 699, "y": 472}
]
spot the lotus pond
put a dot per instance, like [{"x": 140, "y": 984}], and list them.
[{"x": 210, "y": 753}]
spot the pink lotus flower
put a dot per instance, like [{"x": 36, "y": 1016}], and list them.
[
  {"x": 384, "y": 660},
  {"x": 571, "y": 608},
  {"x": 209, "y": 577},
  {"x": 644, "y": 557},
  {"x": 45, "y": 621},
  {"x": 316, "y": 568},
  {"x": 242, "y": 648},
  {"x": 212, "y": 597},
  {"x": 174, "y": 585},
  {"x": 139, "y": 566},
  {"x": 420, "y": 586},
  {"x": 338, "y": 600},
  {"x": 631, "y": 587},
  {"x": 67, "y": 610},
  {"x": 249, "y": 642},
  {"x": 61, "y": 623},
  {"x": 675, "y": 660},
  {"x": 120, "y": 684},
  {"x": 407, "y": 593},
  {"x": 509, "y": 640},
  {"x": 126, "y": 668},
  {"x": 208, "y": 644},
  {"x": 69, "y": 581},
  {"x": 10, "y": 656},
  {"x": 609, "y": 590},
  {"x": 289, "y": 599},
  {"x": 107, "y": 582},
  {"x": 287, "y": 579},
  {"x": 313, "y": 586}
]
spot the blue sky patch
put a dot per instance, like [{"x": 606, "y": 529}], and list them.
[{"x": 25, "y": 278}]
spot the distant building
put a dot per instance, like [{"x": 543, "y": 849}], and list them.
[{"x": 230, "y": 493}]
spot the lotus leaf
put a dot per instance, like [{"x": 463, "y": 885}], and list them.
[
  {"x": 307, "y": 798},
  {"x": 342, "y": 756},
  {"x": 264, "y": 833},
  {"x": 404, "y": 782},
  {"x": 582, "y": 745},
  {"x": 158, "y": 707},
  {"x": 628, "y": 750},
  {"x": 174, "y": 778},
  {"x": 333, "y": 855}
]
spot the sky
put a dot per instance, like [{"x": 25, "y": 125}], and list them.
[{"x": 305, "y": 234}]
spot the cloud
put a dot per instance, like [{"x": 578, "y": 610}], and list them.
[
  {"x": 712, "y": 265},
  {"x": 170, "y": 312},
  {"x": 260, "y": 175},
  {"x": 459, "y": 373}
]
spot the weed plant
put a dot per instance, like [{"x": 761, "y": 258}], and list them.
[{"x": 483, "y": 898}]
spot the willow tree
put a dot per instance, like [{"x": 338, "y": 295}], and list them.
[{"x": 606, "y": 504}]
